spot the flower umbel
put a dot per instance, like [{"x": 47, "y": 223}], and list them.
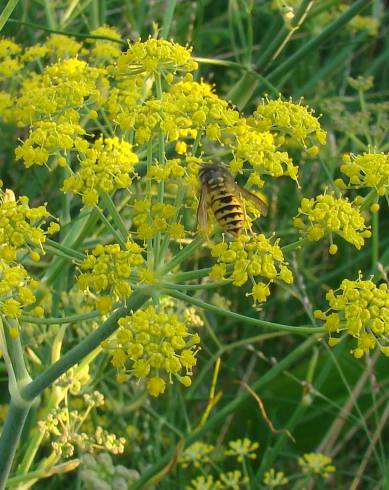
[
  {"x": 361, "y": 309},
  {"x": 316, "y": 464},
  {"x": 157, "y": 346},
  {"x": 329, "y": 215},
  {"x": 242, "y": 448},
  {"x": 196, "y": 454},
  {"x": 274, "y": 479}
]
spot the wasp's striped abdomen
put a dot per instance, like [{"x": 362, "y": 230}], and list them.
[{"x": 227, "y": 208}]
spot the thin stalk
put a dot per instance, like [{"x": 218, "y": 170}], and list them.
[
  {"x": 167, "y": 18},
  {"x": 182, "y": 255},
  {"x": 231, "y": 407},
  {"x": 295, "y": 245},
  {"x": 65, "y": 250},
  {"x": 110, "y": 228},
  {"x": 374, "y": 241},
  {"x": 117, "y": 219},
  {"x": 50, "y": 17},
  {"x": 7, "y": 11},
  {"x": 283, "y": 36},
  {"x": 292, "y": 61},
  {"x": 69, "y": 34},
  {"x": 242, "y": 318},
  {"x": 59, "y": 320},
  {"x": 14, "y": 423}
]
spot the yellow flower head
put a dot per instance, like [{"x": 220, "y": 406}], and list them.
[
  {"x": 154, "y": 346},
  {"x": 156, "y": 55},
  {"x": 242, "y": 448},
  {"x": 107, "y": 165},
  {"x": 250, "y": 256},
  {"x": 316, "y": 464},
  {"x": 274, "y": 479},
  {"x": 295, "y": 121},
  {"x": 20, "y": 225},
  {"x": 361, "y": 309},
  {"x": 369, "y": 170},
  {"x": 197, "y": 454},
  {"x": 329, "y": 215},
  {"x": 108, "y": 269}
]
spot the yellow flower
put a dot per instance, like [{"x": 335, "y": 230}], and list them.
[
  {"x": 197, "y": 454},
  {"x": 369, "y": 170},
  {"x": 108, "y": 269},
  {"x": 242, "y": 448},
  {"x": 250, "y": 256},
  {"x": 156, "y": 346},
  {"x": 359, "y": 308},
  {"x": 316, "y": 464},
  {"x": 273, "y": 479},
  {"x": 327, "y": 215},
  {"x": 156, "y": 55}
]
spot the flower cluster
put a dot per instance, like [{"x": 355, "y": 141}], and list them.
[
  {"x": 64, "y": 426},
  {"x": 316, "y": 464},
  {"x": 361, "y": 309},
  {"x": 250, "y": 256},
  {"x": 68, "y": 84},
  {"x": 242, "y": 448},
  {"x": 108, "y": 269},
  {"x": 152, "y": 217},
  {"x": 100, "y": 472},
  {"x": 197, "y": 454},
  {"x": 104, "y": 51},
  {"x": 327, "y": 215},
  {"x": 107, "y": 165},
  {"x": 156, "y": 55},
  {"x": 49, "y": 138},
  {"x": 295, "y": 122},
  {"x": 273, "y": 478},
  {"x": 157, "y": 346},
  {"x": 21, "y": 226},
  {"x": 16, "y": 291},
  {"x": 367, "y": 170},
  {"x": 9, "y": 59}
]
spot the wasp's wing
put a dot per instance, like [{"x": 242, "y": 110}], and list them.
[
  {"x": 259, "y": 202},
  {"x": 202, "y": 210}
]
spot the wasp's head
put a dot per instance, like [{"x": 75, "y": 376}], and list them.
[{"x": 213, "y": 173}]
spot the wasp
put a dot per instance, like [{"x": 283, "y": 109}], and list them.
[{"x": 221, "y": 194}]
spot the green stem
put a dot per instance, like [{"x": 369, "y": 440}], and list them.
[
  {"x": 117, "y": 219},
  {"x": 292, "y": 61},
  {"x": 59, "y": 320},
  {"x": 194, "y": 287},
  {"x": 242, "y": 318},
  {"x": 14, "y": 423},
  {"x": 69, "y": 252},
  {"x": 283, "y": 36},
  {"x": 48, "y": 5},
  {"x": 231, "y": 407},
  {"x": 374, "y": 241},
  {"x": 295, "y": 245},
  {"x": 7, "y": 11},
  {"x": 167, "y": 18},
  {"x": 110, "y": 228},
  {"x": 69, "y": 34},
  {"x": 85, "y": 347},
  {"x": 182, "y": 255}
]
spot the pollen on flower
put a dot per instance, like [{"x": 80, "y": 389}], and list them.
[
  {"x": 156, "y": 347},
  {"x": 359, "y": 308}
]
